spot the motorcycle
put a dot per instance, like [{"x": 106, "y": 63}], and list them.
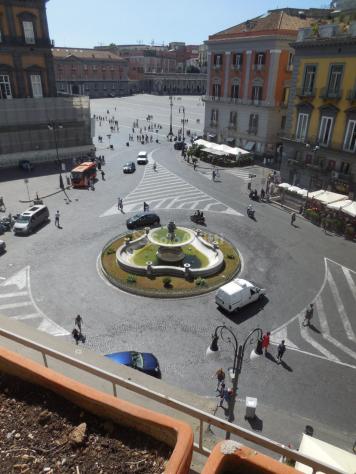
[
  {"x": 7, "y": 223},
  {"x": 251, "y": 213},
  {"x": 197, "y": 219},
  {"x": 254, "y": 196}
]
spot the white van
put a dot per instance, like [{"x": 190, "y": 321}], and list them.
[
  {"x": 237, "y": 293},
  {"x": 29, "y": 220},
  {"x": 142, "y": 158}
]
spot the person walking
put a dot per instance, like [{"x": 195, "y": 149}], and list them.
[
  {"x": 78, "y": 322},
  {"x": 308, "y": 315},
  {"x": 76, "y": 335},
  {"x": 119, "y": 203},
  {"x": 220, "y": 376},
  {"x": 103, "y": 175},
  {"x": 221, "y": 394},
  {"x": 265, "y": 342},
  {"x": 146, "y": 207},
  {"x": 56, "y": 219},
  {"x": 281, "y": 351},
  {"x": 293, "y": 218}
]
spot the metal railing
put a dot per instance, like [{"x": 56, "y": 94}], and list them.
[{"x": 199, "y": 415}]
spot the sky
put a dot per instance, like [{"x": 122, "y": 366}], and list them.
[{"x": 89, "y": 23}]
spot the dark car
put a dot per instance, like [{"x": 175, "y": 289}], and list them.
[
  {"x": 26, "y": 165},
  {"x": 179, "y": 145},
  {"x": 142, "y": 219},
  {"x": 129, "y": 167},
  {"x": 142, "y": 361}
]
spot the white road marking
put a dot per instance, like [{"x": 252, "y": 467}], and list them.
[
  {"x": 10, "y": 295},
  {"x": 19, "y": 280},
  {"x": 282, "y": 335},
  {"x": 326, "y": 331},
  {"x": 26, "y": 316},
  {"x": 15, "y": 305},
  {"x": 340, "y": 306},
  {"x": 350, "y": 281}
]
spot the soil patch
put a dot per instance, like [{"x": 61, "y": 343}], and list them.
[{"x": 43, "y": 432}]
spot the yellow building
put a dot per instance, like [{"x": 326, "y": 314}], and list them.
[
  {"x": 320, "y": 146},
  {"x": 26, "y": 63}
]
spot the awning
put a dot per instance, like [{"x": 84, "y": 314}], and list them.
[
  {"x": 230, "y": 140},
  {"x": 213, "y": 152},
  {"x": 284, "y": 185},
  {"x": 212, "y": 136},
  {"x": 350, "y": 210},
  {"x": 250, "y": 146},
  {"x": 339, "y": 204},
  {"x": 328, "y": 197},
  {"x": 337, "y": 458},
  {"x": 224, "y": 149},
  {"x": 313, "y": 194}
]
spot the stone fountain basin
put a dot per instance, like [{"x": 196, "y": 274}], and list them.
[
  {"x": 124, "y": 257},
  {"x": 160, "y": 237}
]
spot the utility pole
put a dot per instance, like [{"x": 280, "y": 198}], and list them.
[{"x": 170, "y": 119}]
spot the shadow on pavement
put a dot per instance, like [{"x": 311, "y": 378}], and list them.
[
  {"x": 255, "y": 423},
  {"x": 40, "y": 169},
  {"x": 270, "y": 357},
  {"x": 246, "y": 312},
  {"x": 286, "y": 366}
]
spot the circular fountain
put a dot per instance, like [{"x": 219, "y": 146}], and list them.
[{"x": 171, "y": 241}]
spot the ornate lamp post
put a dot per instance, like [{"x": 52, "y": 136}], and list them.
[
  {"x": 183, "y": 122},
  {"x": 170, "y": 118},
  {"x": 227, "y": 336}
]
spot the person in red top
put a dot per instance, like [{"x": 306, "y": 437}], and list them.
[{"x": 265, "y": 342}]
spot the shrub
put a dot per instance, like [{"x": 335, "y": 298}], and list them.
[
  {"x": 110, "y": 251},
  {"x": 167, "y": 282},
  {"x": 231, "y": 256},
  {"x": 200, "y": 282},
  {"x": 131, "y": 279}
]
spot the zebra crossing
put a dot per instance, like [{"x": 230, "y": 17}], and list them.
[
  {"x": 17, "y": 302},
  {"x": 162, "y": 189},
  {"x": 331, "y": 334},
  {"x": 241, "y": 173}
]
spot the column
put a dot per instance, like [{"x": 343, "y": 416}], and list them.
[
  {"x": 247, "y": 75},
  {"x": 227, "y": 71},
  {"x": 208, "y": 88},
  {"x": 272, "y": 76}
]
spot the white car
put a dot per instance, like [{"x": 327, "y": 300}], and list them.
[
  {"x": 142, "y": 158},
  {"x": 238, "y": 293}
]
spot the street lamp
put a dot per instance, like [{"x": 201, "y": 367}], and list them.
[
  {"x": 52, "y": 125},
  {"x": 170, "y": 118},
  {"x": 227, "y": 336},
  {"x": 183, "y": 120}
]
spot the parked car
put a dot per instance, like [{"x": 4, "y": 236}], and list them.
[
  {"x": 142, "y": 361},
  {"x": 129, "y": 167},
  {"x": 143, "y": 219},
  {"x": 2, "y": 246},
  {"x": 31, "y": 219},
  {"x": 142, "y": 158},
  {"x": 179, "y": 145},
  {"x": 238, "y": 293},
  {"x": 26, "y": 165}
]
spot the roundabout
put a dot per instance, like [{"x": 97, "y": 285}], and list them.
[{"x": 169, "y": 261}]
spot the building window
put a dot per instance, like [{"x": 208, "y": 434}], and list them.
[
  {"x": 257, "y": 93},
  {"x": 325, "y": 130},
  {"x": 309, "y": 79},
  {"x": 36, "y": 86},
  {"x": 345, "y": 167},
  {"x": 235, "y": 91},
  {"x": 28, "y": 32},
  {"x": 283, "y": 122},
  {"x": 5, "y": 87},
  {"x": 302, "y": 126},
  {"x": 290, "y": 62},
  {"x": 237, "y": 60},
  {"x": 253, "y": 124},
  {"x": 113, "y": 86},
  {"x": 334, "y": 85},
  {"x": 218, "y": 59},
  {"x": 0, "y": 35},
  {"x": 350, "y": 137},
  {"x": 285, "y": 96},
  {"x": 233, "y": 119},
  {"x": 214, "y": 116},
  {"x": 260, "y": 59},
  {"x": 217, "y": 90}
]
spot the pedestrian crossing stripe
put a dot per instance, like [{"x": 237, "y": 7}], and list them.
[
  {"x": 327, "y": 344},
  {"x": 16, "y": 301},
  {"x": 163, "y": 189}
]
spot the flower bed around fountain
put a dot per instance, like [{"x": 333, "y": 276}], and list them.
[{"x": 132, "y": 262}]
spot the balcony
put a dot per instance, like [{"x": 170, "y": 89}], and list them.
[
  {"x": 217, "y": 67},
  {"x": 305, "y": 93},
  {"x": 289, "y": 68},
  {"x": 351, "y": 95},
  {"x": 225, "y": 100},
  {"x": 232, "y": 126},
  {"x": 327, "y": 93},
  {"x": 213, "y": 123},
  {"x": 236, "y": 67},
  {"x": 297, "y": 163},
  {"x": 252, "y": 131},
  {"x": 259, "y": 67}
]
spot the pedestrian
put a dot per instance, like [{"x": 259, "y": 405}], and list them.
[
  {"x": 56, "y": 219},
  {"x": 119, "y": 203},
  {"x": 265, "y": 342},
  {"x": 293, "y": 218},
  {"x": 91, "y": 184},
  {"x": 221, "y": 394},
  {"x": 76, "y": 335},
  {"x": 194, "y": 165},
  {"x": 281, "y": 351},
  {"x": 146, "y": 207},
  {"x": 103, "y": 175},
  {"x": 213, "y": 174},
  {"x": 99, "y": 165},
  {"x": 220, "y": 376},
  {"x": 79, "y": 322},
  {"x": 308, "y": 315}
]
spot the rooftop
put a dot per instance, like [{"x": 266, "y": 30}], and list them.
[
  {"x": 84, "y": 53},
  {"x": 286, "y": 19}
]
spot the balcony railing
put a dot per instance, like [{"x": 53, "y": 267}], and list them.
[
  {"x": 217, "y": 67},
  {"x": 213, "y": 123},
  {"x": 227, "y": 100},
  {"x": 327, "y": 93},
  {"x": 165, "y": 401},
  {"x": 258, "y": 67},
  {"x": 232, "y": 125},
  {"x": 304, "y": 92},
  {"x": 236, "y": 67}
]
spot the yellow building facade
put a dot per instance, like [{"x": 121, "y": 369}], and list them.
[
  {"x": 320, "y": 145},
  {"x": 26, "y": 63}
]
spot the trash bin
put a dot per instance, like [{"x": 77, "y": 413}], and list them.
[{"x": 251, "y": 405}]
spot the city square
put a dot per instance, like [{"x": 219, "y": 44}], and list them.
[{"x": 297, "y": 266}]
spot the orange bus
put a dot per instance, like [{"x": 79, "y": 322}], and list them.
[{"x": 82, "y": 174}]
